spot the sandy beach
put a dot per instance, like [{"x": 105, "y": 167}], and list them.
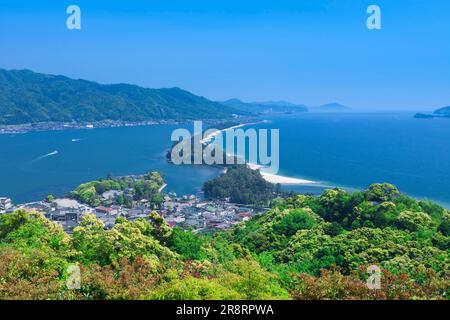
[
  {"x": 269, "y": 177},
  {"x": 210, "y": 136},
  {"x": 274, "y": 178}
]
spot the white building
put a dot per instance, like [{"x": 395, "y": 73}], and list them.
[{"x": 5, "y": 204}]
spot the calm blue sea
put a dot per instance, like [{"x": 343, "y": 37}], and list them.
[
  {"x": 355, "y": 150},
  {"x": 30, "y": 169},
  {"x": 348, "y": 150}
]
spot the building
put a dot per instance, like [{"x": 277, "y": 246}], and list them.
[
  {"x": 111, "y": 194},
  {"x": 104, "y": 210},
  {"x": 5, "y": 204}
]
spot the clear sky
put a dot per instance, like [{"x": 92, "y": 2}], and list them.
[{"x": 304, "y": 51}]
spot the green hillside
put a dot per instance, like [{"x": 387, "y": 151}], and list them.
[
  {"x": 29, "y": 97},
  {"x": 304, "y": 248}
]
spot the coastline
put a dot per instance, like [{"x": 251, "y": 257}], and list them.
[
  {"x": 210, "y": 136},
  {"x": 269, "y": 177},
  {"x": 59, "y": 126},
  {"x": 272, "y": 178},
  {"x": 275, "y": 179}
]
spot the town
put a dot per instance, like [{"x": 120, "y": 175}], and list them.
[{"x": 187, "y": 212}]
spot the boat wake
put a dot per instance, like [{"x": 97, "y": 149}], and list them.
[{"x": 46, "y": 156}]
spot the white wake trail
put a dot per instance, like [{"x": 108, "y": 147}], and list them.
[{"x": 46, "y": 156}]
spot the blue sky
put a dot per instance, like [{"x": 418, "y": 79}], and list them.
[{"x": 310, "y": 51}]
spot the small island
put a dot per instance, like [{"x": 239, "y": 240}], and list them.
[{"x": 439, "y": 113}]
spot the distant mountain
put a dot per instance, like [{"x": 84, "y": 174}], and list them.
[
  {"x": 266, "y": 107},
  {"x": 330, "y": 107},
  {"x": 439, "y": 113},
  {"x": 29, "y": 97},
  {"x": 445, "y": 111}
]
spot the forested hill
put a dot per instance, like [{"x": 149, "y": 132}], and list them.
[
  {"x": 305, "y": 247},
  {"x": 443, "y": 111},
  {"x": 266, "y": 107},
  {"x": 29, "y": 97},
  {"x": 439, "y": 113}
]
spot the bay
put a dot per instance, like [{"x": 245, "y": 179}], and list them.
[{"x": 349, "y": 150}]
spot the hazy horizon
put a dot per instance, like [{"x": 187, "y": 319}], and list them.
[{"x": 304, "y": 52}]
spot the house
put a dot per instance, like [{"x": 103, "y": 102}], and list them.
[
  {"x": 172, "y": 224},
  {"x": 111, "y": 194},
  {"x": 5, "y": 204},
  {"x": 102, "y": 209},
  {"x": 144, "y": 203}
]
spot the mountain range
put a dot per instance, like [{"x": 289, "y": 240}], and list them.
[
  {"x": 29, "y": 97},
  {"x": 282, "y": 107},
  {"x": 265, "y": 107}
]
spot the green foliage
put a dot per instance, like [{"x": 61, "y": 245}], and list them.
[
  {"x": 188, "y": 244},
  {"x": 414, "y": 221},
  {"x": 242, "y": 185},
  {"x": 161, "y": 229},
  {"x": 382, "y": 192},
  {"x": 127, "y": 239},
  {"x": 444, "y": 227},
  {"x": 297, "y": 219},
  {"x": 306, "y": 235},
  {"x": 145, "y": 187},
  {"x": 304, "y": 248},
  {"x": 336, "y": 286},
  {"x": 28, "y": 97},
  {"x": 191, "y": 288}
]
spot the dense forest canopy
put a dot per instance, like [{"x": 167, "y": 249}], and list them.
[
  {"x": 144, "y": 187},
  {"x": 241, "y": 185},
  {"x": 29, "y": 97},
  {"x": 305, "y": 247}
]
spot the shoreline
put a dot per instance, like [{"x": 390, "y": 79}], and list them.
[
  {"x": 60, "y": 126},
  {"x": 269, "y": 177},
  {"x": 210, "y": 136},
  {"x": 85, "y": 125},
  {"x": 272, "y": 178},
  {"x": 283, "y": 180}
]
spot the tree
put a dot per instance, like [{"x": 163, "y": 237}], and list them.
[
  {"x": 91, "y": 240},
  {"x": 382, "y": 192},
  {"x": 414, "y": 221},
  {"x": 444, "y": 226},
  {"x": 188, "y": 244},
  {"x": 242, "y": 185},
  {"x": 297, "y": 219},
  {"x": 161, "y": 230}
]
